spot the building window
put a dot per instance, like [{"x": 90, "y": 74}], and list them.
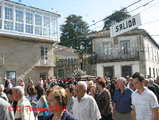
[
  {"x": 46, "y": 29},
  {"x": 149, "y": 71},
  {"x": 126, "y": 71},
  {"x": 125, "y": 46},
  {"x": 107, "y": 48},
  {"x": 0, "y": 17},
  {"x": 38, "y": 23},
  {"x": 154, "y": 72},
  {"x": 19, "y": 19},
  {"x": 109, "y": 72},
  {"x": 11, "y": 75},
  {"x": 44, "y": 55},
  {"x": 8, "y": 22},
  {"x": 29, "y": 22},
  {"x": 148, "y": 49},
  {"x": 43, "y": 76},
  {"x": 54, "y": 24}
]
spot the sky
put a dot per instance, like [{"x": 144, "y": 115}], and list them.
[{"x": 96, "y": 10}]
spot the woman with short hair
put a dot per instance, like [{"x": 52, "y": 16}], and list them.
[
  {"x": 104, "y": 100},
  {"x": 57, "y": 102}
]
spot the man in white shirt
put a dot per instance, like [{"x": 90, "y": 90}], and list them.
[
  {"x": 85, "y": 107},
  {"x": 23, "y": 111},
  {"x": 145, "y": 105}
]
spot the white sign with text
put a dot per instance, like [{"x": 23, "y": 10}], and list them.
[{"x": 125, "y": 25}]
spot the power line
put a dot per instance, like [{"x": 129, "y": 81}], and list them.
[
  {"x": 131, "y": 5},
  {"x": 141, "y": 6}
]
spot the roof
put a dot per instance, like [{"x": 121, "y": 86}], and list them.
[
  {"x": 31, "y": 7},
  {"x": 64, "y": 51},
  {"x": 106, "y": 34}
]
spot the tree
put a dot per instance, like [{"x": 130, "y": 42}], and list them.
[
  {"x": 117, "y": 16},
  {"x": 74, "y": 33}
]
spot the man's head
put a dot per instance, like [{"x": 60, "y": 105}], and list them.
[
  {"x": 138, "y": 80},
  {"x": 81, "y": 89},
  {"x": 17, "y": 92},
  {"x": 146, "y": 82},
  {"x": 121, "y": 82},
  {"x": 1, "y": 88},
  {"x": 9, "y": 95},
  {"x": 157, "y": 80},
  {"x": 151, "y": 81}
]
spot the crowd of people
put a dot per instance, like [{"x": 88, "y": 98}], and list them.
[{"x": 130, "y": 98}]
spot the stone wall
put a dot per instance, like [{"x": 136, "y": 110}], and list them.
[
  {"x": 23, "y": 57},
  {"x": 69, "y": 65}
]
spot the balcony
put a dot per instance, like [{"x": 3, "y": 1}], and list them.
[
  {"x": 24, "y": 21},
  {"x": 44, "y": 63},
  {"x": 117, "y": 57}
]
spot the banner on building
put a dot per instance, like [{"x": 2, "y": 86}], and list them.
[{"x": 125, "y": 25}]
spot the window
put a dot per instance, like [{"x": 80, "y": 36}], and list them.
[
  {"x": 148, "y": 49},
  {"x": 126, "y": 71},
  {"x": 43, "y": 76},
  {"x": 154, "y": 72},
  {"x": 46, "y": 29},
  {"x": 152, "y": 53},
  {"x": 12, "y": 76},
  {"x": 29, "y": 21},
  {"x": 38, "y": 23},
  {"x": 8, "y": 22},
  {"x": 109, "y": 72},
  {"x": 44, "y": 55},
  {"x": 19, "y": 19},
  {"x": 107, "y": 49},
  {"x": 54, "y": 31},
  {"x": 0, "y": 17},
  {"x": 125, "y": 46},
  {"x": 149, "y": 71}
]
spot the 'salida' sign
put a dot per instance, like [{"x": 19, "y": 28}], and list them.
[{"x": 125, "y": 25}]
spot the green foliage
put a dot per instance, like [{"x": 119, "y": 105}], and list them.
[
  {"x": 116, "y": 17},
  {"x": 74, "y": 33},
  {"x": 87, "y": 60},
  {"x": 57, "y": 58}
]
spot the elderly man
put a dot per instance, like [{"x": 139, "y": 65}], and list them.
[
  {"x": 23, "y": 111},
  {"x": 85, "y": 107},
  {"x": 122, "y": 101},
  {"x": 5, "y": 113},
  {"x": 151, "y": 82},
  {"x": 2, "y": 94},
  {"x": 145, "y": 105}
]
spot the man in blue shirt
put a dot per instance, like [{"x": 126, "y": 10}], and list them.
[{"x": 122, "y": 101}]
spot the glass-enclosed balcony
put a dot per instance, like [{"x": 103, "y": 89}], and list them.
[{"x": 21, "y": 20}]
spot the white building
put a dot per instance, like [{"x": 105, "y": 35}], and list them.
[{"x": 134, "y": 51}]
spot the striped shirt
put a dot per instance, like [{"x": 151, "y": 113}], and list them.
[{"x": 144, "y": 103}]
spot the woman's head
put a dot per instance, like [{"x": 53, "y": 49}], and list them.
[
  {"x": 101, "y": 83},
  {"x": 70, "y": 90},
  {"x": 32, "y": 90},
  {"x": 40, "y": 91},
  {"x": 56, "y": 98},
  {"x": 93, "y": 90}
]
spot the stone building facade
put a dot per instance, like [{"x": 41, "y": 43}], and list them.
[
  {"x": 134, "y": 51},
  {"x": 70, "y": 61},
  {"x": 26, "y": 44}
]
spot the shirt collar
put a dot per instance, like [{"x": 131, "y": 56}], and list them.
[
  {"x": 145, "y": 90},
  {"x": 84, "y": 97},
  {"x": 22, "y": 98}
]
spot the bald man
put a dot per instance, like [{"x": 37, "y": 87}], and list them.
[{"x": 85, "y": 107}]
